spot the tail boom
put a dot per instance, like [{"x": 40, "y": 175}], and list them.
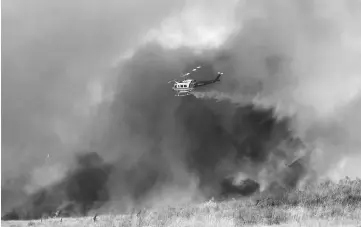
[{"x": 218, "y": 77}]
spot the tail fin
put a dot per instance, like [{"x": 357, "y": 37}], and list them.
[{"x": 219, "y": 75}]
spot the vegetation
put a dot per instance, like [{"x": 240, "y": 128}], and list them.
[{"x": 328, "y": 204}]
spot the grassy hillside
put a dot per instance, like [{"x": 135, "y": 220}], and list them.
[{"x": 328, "y": 204}]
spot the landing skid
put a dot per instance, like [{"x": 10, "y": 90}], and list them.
[{"x": 181, "y": 95}]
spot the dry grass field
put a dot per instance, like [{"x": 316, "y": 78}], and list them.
[{"x": 328, "y": 204}]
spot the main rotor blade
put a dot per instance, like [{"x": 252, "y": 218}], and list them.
[{"x": 193, "y": 70}]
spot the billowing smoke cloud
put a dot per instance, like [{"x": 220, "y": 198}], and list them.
[
  {"x": 291, "y": 70},
  {"x": 308, "y": 66},
  {"x": 55, "y": 57}
]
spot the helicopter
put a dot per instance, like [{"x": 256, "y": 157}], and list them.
[{"x": 187, "y": 86}]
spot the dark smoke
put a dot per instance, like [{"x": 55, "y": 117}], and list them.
[{"x": 82, "y": 189}]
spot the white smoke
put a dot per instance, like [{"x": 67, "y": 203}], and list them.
[{"x": 199, "y": 25}]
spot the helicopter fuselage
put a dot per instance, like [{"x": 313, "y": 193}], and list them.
[{"x": 184, "y": 87}]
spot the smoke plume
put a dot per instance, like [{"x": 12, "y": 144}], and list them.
[{"x": 291, "y": 88}]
